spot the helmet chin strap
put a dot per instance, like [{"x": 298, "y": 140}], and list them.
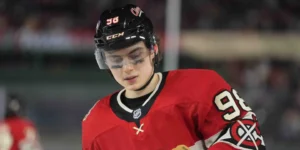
[
  {"x": 147, "y": 83},
  {"x": 150, "y": 79}
]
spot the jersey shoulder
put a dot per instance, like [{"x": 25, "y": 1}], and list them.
[
  {"x": 17, "y": 124},
  {"x": 101, "y": 105},
  {"x": 98, "y": 120},
  {"x": 193, "y": 79},
  {"x": 193, "y": 85},
  {"x": 100, "y": 111},
  {"x": 194, "y": 74}
]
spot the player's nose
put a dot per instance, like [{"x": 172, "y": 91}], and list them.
[{"x": 128, "y": 67}]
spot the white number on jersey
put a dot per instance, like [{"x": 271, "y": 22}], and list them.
[{"x": 226, "y": 101}]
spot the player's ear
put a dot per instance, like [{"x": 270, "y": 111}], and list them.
[
  {"x": 155, "y": 48},
  {"x": 154, "y": 51}
]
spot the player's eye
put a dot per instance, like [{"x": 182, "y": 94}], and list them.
[
  {"x": 115, "y": 59},
  {"x": 138, "y": 61},
  {"x": 135, "y": 55},
  {"x": 116, "y": 66}
]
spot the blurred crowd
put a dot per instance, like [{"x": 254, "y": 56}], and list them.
[
  {"x": 270, "y": 86},
  {"x": 262, "y": 15},
  {"x": 69, "y": 24}
]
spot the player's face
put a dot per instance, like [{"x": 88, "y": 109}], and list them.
[{"x": 131, "y": 66}]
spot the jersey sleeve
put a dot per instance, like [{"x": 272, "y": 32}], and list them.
[
  {"x": 95, "y": 146},
  {"x": 31, "y": 139},
  {"x": 6, "y": 141},
  {"x": 89, "y": 130},
  {"x": 89, "y": 141},
  {"x": 87, "y": 136},
  {"x": 229, "y": 122}
]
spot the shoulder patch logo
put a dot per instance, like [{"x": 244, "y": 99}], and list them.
[{"x": 181, "y": 147}]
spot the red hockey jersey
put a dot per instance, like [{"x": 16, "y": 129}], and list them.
[
  {"x": 18, "y": 134},
  {"x": 188, "y": 110}
]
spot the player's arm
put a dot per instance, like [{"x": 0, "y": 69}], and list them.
[
  {"x": 6, "y": 141},
  {"x": 229, "y": 123},
  {"x": 89, "y": 140},
  {"x": 95, "y": 146},
  {"x": 31, "y": 139},
  {"x": 92, "y": 146}
]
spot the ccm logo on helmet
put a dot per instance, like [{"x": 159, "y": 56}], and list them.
[{"x": 113, "y": 36}]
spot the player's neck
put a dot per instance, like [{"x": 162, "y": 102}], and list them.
[{"x": 147, "y": 90}]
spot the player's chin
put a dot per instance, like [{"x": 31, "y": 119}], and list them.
[{"x": 132, "y": 87}]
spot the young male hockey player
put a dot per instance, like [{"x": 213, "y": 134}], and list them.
[
  {"x": 16, "y": 132},
  {"x": 189, "y": 109}
]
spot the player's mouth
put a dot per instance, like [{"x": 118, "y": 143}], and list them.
[{"x": 130, "y": 79}]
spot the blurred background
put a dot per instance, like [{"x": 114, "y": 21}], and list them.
[{"x": 46, "y": 57}]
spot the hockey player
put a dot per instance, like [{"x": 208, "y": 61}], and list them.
[
  {"x": 190, "y": 109},
  {"x": 17, "y": 132}
]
